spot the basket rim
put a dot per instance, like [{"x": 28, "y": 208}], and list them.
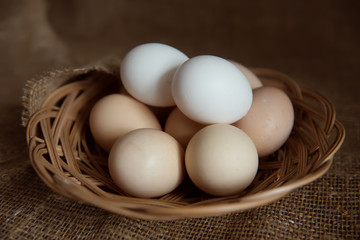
[{"x": 216, "y": 209}]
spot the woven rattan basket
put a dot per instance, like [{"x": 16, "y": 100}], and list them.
[{"x": 66, "y": 158}]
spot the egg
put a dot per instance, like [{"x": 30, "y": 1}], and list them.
[
  {"x": 181, "y": 127},
  {"x": 209, "y": 89},
  {"x": 221, "y": 160},
  {"x": 147, "y": 71},
  {"x": 115, "y": 115},
  {"x": 269, "y": 121},
  {"x": 147, "y": 163},
  {"x": 254, "y": 81}
]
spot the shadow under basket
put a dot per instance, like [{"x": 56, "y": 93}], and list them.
[{"x": 65, "y": 156}]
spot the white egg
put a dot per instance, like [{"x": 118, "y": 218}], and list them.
[
  {"x": 147, "y": 71},
  {"x": 210, "y": 89}
]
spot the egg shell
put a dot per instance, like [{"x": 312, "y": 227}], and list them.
[
  {"x": 210, "y": 89},
  {"x": 221, "y": 160},
  {"x": 269, "y": 121},
  {"x": 115, "y": 115},
  {"x": 254, "y": 81},
  {"x": 181, "y": 127},
  {"x": 147, "y": 163},
  {"x": 147, "y": 70}
]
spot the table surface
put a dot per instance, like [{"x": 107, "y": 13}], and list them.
[{"x": 317, "y": 44}]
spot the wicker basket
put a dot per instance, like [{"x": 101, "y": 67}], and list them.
[{"x": 64, "y": 155}]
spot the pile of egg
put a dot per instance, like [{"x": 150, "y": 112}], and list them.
[{"x": 221, "y": 120}]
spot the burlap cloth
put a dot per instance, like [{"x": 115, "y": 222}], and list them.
[{"x": 315, "y": 42}]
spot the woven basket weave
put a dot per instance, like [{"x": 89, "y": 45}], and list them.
[{"x": 63, "y": 153}]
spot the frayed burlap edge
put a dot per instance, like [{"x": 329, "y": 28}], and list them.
[{"x": 37, "y": 89}]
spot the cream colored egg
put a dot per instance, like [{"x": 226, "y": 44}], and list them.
[
  {"x": 115, "y": 115},
  {"x": 221, "y": 160},
  {"x": 269, "y": 121},
  {"x": 147, "y": 163},
  {"x": 181, "y": 127},
  {"x": 254, "y": 81}
]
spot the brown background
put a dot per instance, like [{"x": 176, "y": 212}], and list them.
[{"x": 315, "y": 42}]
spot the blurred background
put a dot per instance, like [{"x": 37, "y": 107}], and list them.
[{"x": 312, "y": 41}]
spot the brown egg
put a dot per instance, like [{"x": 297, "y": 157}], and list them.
[
  {"x": 252, "y": 78},
  {"x": 269, "y": 121},
  {"x": 115, "y": 115},
  {"x": 181, "y": 127}
]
